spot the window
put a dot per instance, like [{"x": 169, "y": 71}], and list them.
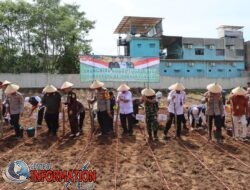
[
  {"x": 188, "y": 71},
  {"x": 220, "y": 52},
  {"x": 231, "y": 47},
  {"x": 188, "y": 46},
  {"x": 229, "y": 70},
  {"x": 210, "y": 46},
  {"x": 209, "y": 70},
  {"x": 152, "y": 45},
  {"x": 139, "y": 45},
  {"x": 199, "y": 51},
  {"x": 239, "y": 52},
  {"x": 165, "y": 71}
]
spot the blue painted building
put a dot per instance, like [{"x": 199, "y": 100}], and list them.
[{"x": 221, "y": 57}]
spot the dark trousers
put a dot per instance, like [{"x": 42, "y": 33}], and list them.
[
  {"x": 15, "y": 121},
  {"x": 127, "y": 123},
  {"x": 52, "y": 120},
  {"x": 80, "y": 120},
  {"x": 40, "y": 115},
  {"x": 217, "y": 122},
  {"x": 170, "y": 121},
  {"x": 73, "y": 122},
  {"x": 104, "y": 121}
]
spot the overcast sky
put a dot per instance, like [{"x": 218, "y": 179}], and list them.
[{"x": 188, "y": 18}]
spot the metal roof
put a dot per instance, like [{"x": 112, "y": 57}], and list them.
[
  {"x": 142, "y": 24},
  {"x": 230, "y": 27}
]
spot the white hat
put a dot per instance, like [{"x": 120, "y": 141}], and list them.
[
  {"x": 49, "y": 89},
  {"x": 66, "y": 84},
  {"x": 148, "y": 92},
  {"x": 123, "y": 87},
  {"x": 195, "y": 111},
  {"x": 158, "y": 94},
  {"x": 214, "y": 88},
  {"x": 11, "y": 88},
  {"x": 96, "y": 84},
  {"x": 239, "y": 91},
  {"x": 6, "y": 82},
  {"x": 177, "y": 86},
  {"x": 26, "y": 99}
]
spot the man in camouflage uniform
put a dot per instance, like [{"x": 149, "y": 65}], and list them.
[{"x": 151, "y": 109}]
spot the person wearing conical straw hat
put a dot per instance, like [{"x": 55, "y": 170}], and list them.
[
  {"x": 215, "y": 109},
  {"x": 176, "y": 99},
  {"x": 71, "y": 102},
  {"x": 3, "y": 97},
  {"x": 125, "y": 101},
  {"x": 52, "y": 102},
  {"x": 239, "y": 105},
  {"x": 16, "y": 106},
  {"x": 151, "y": 109},
  {"x": 35, "y": 102},
  {"x": 102, "y": 99}
]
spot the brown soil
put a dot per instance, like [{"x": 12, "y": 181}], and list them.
[{"x": 209, "y": 167}]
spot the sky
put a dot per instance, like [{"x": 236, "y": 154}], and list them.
[{"x": 187, "y": 18}]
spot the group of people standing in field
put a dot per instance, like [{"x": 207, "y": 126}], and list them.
[{"x": 211, "y": 110}]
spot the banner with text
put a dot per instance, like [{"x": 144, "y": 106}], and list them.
[{"x": 119, "y": 68}]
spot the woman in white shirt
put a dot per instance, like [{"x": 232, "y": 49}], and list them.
[{"x": 124, "y": 99}]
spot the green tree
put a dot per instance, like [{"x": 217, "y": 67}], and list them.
[{"x": 43, "y": 36}]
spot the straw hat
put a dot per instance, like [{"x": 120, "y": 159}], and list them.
[
  {"x": 26, "y": 99},
  {"x": 6, "y": 82},
  {"x": 66, "y": 84},
  {"x": 11, "y": 88},
  {"x": 214, "y": 88},
  {"x": 148, "y": 92},
  {"x": 177, "y": 86},
  {"x": 96, "y": 84},
  {"x": 123, "y": 87},
  {"x": 239, "y": 91},
  {"x": 49, "y": 89},
  {"x": 195, "y": 111}
]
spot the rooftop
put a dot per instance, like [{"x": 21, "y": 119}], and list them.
[{"x": 142, "y": 24}]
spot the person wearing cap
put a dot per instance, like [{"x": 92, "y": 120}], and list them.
[
  {"x": 71, "y": 102},
  {"x": 151, "y": 109},
  {"x": 102, "y": 98},
  {"x": 52, "y": 102},
  {"x": 215, "y": 109},
  {"x": 4, "y": 104},
  {"x": 196, "y": 116},
  {"x": 16, "y": 106},
  {"x": 125, "y": 101},
  {"x": 176, "y": 99},
  {"x": 239, "y": 105},
  {"x": 35, "y": 102}
]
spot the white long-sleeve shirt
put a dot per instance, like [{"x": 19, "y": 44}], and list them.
[
  {"x": 177, "y": 103},
  {"x": 125, "y": 107}
]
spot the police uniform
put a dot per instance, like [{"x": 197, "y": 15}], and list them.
[{"x": 103, "y": 109}]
